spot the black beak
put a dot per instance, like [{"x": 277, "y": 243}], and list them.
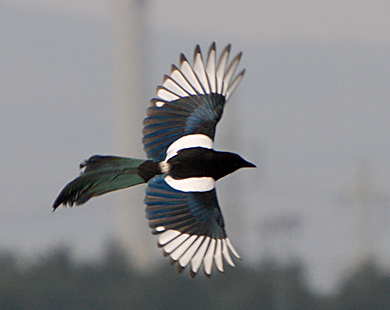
[{"x": 247, "y": 164}]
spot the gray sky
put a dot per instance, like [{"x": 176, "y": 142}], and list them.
[{"x": 314, "y": 101}]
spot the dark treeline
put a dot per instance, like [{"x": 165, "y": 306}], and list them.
[{"x": 57, "y": 282}]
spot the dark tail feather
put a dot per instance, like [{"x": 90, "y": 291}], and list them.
[{"x": 102, "y": 174}]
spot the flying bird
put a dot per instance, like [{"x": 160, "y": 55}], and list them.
[{"x": 182, "y": 166}]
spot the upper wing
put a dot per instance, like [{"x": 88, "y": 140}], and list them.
[
  {"x": 190, "y": 100},
  {"x": 190, "y": 226}
]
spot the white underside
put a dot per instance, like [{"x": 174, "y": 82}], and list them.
[{"x": 202, "y": 184}]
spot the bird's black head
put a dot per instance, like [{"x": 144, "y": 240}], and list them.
[{"x": 230, "y": 162}]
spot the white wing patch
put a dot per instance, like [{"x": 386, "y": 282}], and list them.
[
  {"x": 210, "y": 68},
  {"x": 221, "y": 68},
  {"x": 180, "y": 79},
  {"x": 197, "y": 259},
  {"x": 200, "y": 70},
  {"x": 196, "y": 140},
  {"x": 167, "y": 236},
  {"x": 185, "y": 259},
  {"x": 193, "y": 249},
  {"x": 174, "y": 87},
  {"x": 208, "y": 258},
  {"x": 166, "y": 94},
  {"x": 202, "y": 184},
  {"x": 201, "y": 78},
  {"x": 189, "y": 74},
  {"x": 233, "y": 85}
]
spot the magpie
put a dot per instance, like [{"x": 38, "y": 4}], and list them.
[{"x": 182, "y": 166}]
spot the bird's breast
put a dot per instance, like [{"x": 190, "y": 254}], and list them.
[{"x": 192, "y": 163}]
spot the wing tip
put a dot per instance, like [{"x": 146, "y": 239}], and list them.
[
  {"x": 212, "y": 46},
  {"x": 197, "y": 50},
  {"x": 227, "y": 49},
  {"x": 193, "y": 274},
  {"x": 182, "y": 58}
]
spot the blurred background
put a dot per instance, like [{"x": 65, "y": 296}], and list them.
[{"x": 312, "y": 112}]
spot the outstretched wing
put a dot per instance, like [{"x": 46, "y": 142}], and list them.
[
  {"x": 190, "y": 226},
  {"x": 190, "y": 100}
]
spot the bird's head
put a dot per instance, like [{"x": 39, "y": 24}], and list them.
[
  {"x": 239, "y": 162},
  {"x": 231, "y": 162}
]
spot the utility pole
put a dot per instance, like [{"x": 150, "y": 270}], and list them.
[
  {"x": 129, "y": 104},
  {"x": 278, "y": 231},
  {"x": 364, "y": 199}
]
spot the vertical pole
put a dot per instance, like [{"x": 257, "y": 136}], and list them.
[
  {"x": 129, "y": 104},
  {"x": 362, "y": 198}
]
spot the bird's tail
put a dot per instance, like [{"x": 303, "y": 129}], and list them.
[{"x": 100, "y": 175}]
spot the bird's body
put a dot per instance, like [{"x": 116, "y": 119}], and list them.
[
  {"x": 201, "y": 162},
  {"x": 182, "y": 166}
]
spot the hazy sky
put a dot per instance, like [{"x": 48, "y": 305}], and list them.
[
  {"x": 285, "y": 21},
  {"x": 313, "y": 103}
]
